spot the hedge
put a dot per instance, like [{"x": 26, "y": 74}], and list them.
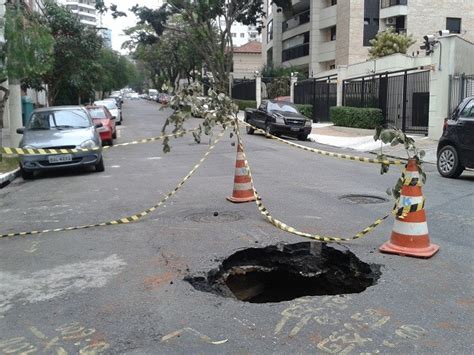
[
  {"x": 306, "y": 110},
  {"x": 356, "y": 117}
]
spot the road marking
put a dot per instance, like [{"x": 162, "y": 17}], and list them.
[
  {"x": 33, "y": 248},
  {"x": 43, "y": 285},
  {"x": 203, "y": 337},
  {"x": 154, "y": 158}
]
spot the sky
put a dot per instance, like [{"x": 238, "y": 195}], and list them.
[{"x": 117, "y": 26}]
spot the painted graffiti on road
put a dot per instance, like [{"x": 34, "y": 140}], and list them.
[
  {"x": 345, "y": 332},
  {"x": 69, "y": 338}
]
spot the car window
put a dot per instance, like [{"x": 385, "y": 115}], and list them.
[
  {"x": 109, "y": 104},
  {"x": 97, "y": 113},
  {"x": 280, "y": 106},
  {"x": 468, "y": 110},
  {"x": 61, "y": 119}
]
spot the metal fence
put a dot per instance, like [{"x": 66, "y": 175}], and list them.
[
  {"x": 403, "y": 97},
  {"x": 321, "y": 93},
  {"x": 460, "y": 87},
  {"x": 244, "y": 89}
]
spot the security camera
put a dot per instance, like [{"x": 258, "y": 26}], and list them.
[
  {"x": 429, "y": 38},
  {"x": 444, "y": 32}
]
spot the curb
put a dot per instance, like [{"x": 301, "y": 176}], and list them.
[{"x": 7, "y": 178}]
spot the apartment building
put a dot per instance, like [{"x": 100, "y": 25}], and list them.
[
  {"x": 318, "y": 35},
  {"x": 84, "y": 9}
]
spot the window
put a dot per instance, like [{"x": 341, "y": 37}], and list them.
[
  {"x": 468, "y": 111},
  {"x": 371, "y": 20},
  {"x": 242, "y": 35},
  {"x": 269, "y": 31},
  {"x": 234, "y": 34},
  {"x": 453, "y": 24},
  {"x": 333, "y": 33}
]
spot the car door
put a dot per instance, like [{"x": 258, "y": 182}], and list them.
[{"x": 465, "y": 133}]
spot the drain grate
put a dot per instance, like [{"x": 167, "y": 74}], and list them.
[
  {"x": 285, "y": 272},
  {"x": 363, "y": 199},
  {"x": 214, "y": 216}
]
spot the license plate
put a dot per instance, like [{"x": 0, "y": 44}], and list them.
[
  {"x": 56, "y": 159},
  {"x": 295, "y": 129}
]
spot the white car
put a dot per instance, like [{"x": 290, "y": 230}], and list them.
[{"x": 113, "y": 108}]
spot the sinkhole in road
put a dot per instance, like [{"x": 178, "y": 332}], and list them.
[{"x": 280, "y": 273}]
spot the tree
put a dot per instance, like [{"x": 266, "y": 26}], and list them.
[{"x": 389, "y": 42}]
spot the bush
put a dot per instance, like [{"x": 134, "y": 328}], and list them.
[
  {"x": 356, "y": 117},
  {"x": 306, "y": 110},
  {"x": 243, "y": 104}
]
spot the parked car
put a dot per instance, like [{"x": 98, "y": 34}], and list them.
[
  {"x": 62, "y": 127},
  {"x": 113, "y": 108},
  {"x": 116, "y": 99},
  {"x": 163, "y": 98},
  {"x": 117, "y": 95},
  {"x": 108, "y": 131},
  {"x": 279, "y": 118},
  {"x": 134, "y": 96},
  {"x": 456, "y": 145}
]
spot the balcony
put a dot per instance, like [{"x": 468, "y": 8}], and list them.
[
  {"x": 295, "y": 52},
  {"x": 295, "y": 21},
  {"x": 393, "y": 8},
  {"x": 328, "y": 17}
]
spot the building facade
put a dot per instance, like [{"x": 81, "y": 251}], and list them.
[
  {"x": 318, "y": 35},
  {"x": 84, "y": 9},
  {"x": 247, "y": 60},
  {"x": 242, "y": 34}
]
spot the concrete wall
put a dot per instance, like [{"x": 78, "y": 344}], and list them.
[{"x": 245, "y": 65}]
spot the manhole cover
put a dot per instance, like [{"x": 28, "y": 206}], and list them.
[
  {"x": 285, "y": 272},
  {"x": 214, "y": 216},
  {"x": 363, "y": 199}
]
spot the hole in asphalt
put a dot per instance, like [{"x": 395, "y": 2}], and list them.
[
  {"x": 214, "y": 216},
  {"x": 285, "y": 272},
  {"x": 363, "y": 199}
]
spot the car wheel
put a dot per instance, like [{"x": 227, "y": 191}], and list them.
[
  {"x": 110, "y": 142},
  {"x": 302, "y": 137},
  {"x": 26, "y": 175},
  {"x": 100, "y": 166},
  {"x": 448, "y": 163},
  {"x": 250, "y": 130},
  {"x": 268, "y": 130}
]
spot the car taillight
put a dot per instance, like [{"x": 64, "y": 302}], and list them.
[{"x": 445, "y": 125}]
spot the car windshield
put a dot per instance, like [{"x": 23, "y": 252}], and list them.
[
  {"x": 282, "y": 107},
  {"x": 109, "y": 104},
  {"x": 97, "y": 113},
  {"x": 59, "y": 119}
]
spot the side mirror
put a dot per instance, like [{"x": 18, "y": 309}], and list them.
[
  {"x": 20, "y": 130},
  {"x": 98, "y": 125}
]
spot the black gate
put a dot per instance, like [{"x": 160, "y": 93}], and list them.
[
  {"x": 321, "y": 93},
  {"x": 244, "y": 89},
  {"x": 403, "y": 97},
  {"x": 460, "y": 87}
]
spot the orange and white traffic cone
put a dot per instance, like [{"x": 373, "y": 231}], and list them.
[
  {"x": 410, "y": 231},
  {"x": 243, "y": 190}
]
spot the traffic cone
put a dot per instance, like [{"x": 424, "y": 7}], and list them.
[
  {"x": 410, "y": 232},
  {"x": 243, "y": 190}
]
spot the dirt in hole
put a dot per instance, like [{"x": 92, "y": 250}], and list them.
[{"x": 285, "y": 272}]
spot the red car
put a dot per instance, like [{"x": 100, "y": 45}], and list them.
[{"x": 108, "y": 131}]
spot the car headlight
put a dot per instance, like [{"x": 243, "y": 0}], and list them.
[
  {"x": 279, "y": 120},
  {"x": 308, "y": 123},
  {"x": 89, "y": 144}
]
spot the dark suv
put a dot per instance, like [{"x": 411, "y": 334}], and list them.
[{"x": 456, "y": 146}]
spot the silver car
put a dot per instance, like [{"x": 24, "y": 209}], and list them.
[{"x": 62, "y": 127}]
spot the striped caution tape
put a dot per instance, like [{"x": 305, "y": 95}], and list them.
[
  {"x": 284, "y": 227},
  {"x": 135, "y": 217},
  {"x": 38, "y": 151},
  {"x": 409, "y": 179},
  {"x": 329, "y": 154},
  {"x": 402, "y": 212}
]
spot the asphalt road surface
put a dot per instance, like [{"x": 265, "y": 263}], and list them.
[{"x": 121, "y": 289}]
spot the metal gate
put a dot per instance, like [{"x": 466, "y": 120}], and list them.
[
  {"x": 460, "y": 87},
  {"x": 403, "y": 97},
  {"x": 321, "y": 93},
  {"x": 244, "y": 89}
]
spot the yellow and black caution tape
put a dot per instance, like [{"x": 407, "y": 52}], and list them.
[
  {"x": 284, "y": 227},
  {"x": 39, "y": 151},
  {"x": 402, "y": 211},
  {"x": 329, "y": 154},
  {"x": 135, "y": 217}
]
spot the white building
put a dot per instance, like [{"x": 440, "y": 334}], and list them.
[
  {"x": 243, "y": 34},
  {"x": 84, "y": 9}
]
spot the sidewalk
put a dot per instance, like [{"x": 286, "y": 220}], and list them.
[{"x": 362, "y": 140}]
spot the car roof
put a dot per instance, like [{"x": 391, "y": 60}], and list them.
[
  {"x": 280, "y": 102},
  {"x": 59, "y": 108}
]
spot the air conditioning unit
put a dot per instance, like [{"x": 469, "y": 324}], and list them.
[{"x": 391, "y": 21}]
